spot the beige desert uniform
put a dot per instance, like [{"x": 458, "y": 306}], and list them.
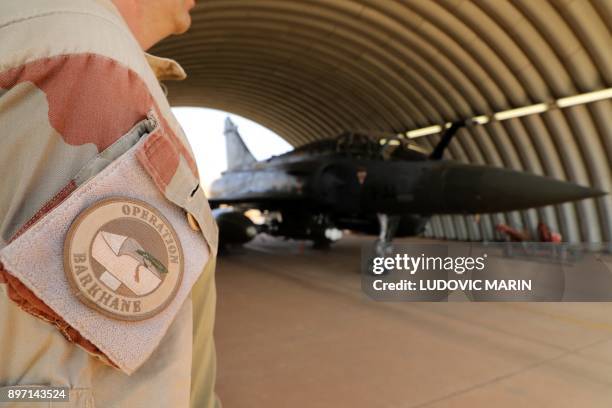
[{"x": 82, "y": 117}]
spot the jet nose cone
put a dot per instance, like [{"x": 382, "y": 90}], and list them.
[
  {"x": 527, "y": 190},
  {"x": 563, "y": 191},
  {"x": 484, "y": 189}
]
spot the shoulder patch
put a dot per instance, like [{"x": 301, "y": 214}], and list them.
[{"x": 123, "y": 259}]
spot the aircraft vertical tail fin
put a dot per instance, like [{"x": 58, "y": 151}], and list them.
[{"x": 238, "y": 153}]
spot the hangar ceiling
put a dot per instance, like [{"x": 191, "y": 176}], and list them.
[{"x": 310, "y": 69}]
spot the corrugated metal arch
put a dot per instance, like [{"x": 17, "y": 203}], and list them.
[{"x": 309, "y": 69}]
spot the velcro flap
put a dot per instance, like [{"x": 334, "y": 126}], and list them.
[{"x": 116, "y": 260}]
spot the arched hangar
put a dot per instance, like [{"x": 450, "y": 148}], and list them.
[{"x": 536, "y": 76}]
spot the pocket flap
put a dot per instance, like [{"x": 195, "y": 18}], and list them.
[{"x": 173, "y": 170}]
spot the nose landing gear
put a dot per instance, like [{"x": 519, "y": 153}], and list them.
[{"x": 388, "y": 227}]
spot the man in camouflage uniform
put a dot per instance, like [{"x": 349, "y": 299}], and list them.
[{"x": 73, "y": 80}]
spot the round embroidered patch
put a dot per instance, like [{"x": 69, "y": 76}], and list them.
[{"x": 123, "y": 258}]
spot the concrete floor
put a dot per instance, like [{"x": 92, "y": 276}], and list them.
[{"x": 294, "y": 330}]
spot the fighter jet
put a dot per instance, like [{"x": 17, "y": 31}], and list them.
[{"x": 384, "y": 186}]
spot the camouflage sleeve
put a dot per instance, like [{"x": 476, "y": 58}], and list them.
[
  {"x": 56, "y": 114},
  {"x": 72, "y": 81},
  {"x": 61, "y": 104}
]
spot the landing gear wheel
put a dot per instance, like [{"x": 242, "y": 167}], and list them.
[{"x": 382, "y": 248}]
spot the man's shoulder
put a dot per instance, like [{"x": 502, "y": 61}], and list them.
[
  {"x": 39, "y": 29},
  {"x": 14, "y": 12}
]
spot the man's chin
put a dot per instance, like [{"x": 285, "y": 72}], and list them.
[{"x": 183, "y": 25}]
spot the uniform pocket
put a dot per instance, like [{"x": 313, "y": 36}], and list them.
[
  {"x": 116, "y": 150},
  {"x": 112, "y": 264}
]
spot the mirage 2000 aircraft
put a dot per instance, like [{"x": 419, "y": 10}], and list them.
[{"x": 385, "y": 187}]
